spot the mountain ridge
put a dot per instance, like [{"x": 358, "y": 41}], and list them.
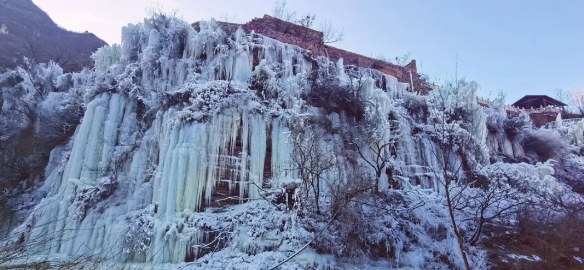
[{"x": 28, "y": 31}]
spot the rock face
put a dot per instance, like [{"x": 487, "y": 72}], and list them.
[
  {"x": 178, "y": 131},
  {"x": 27, "y": 31},
  {"x": 189, "y": 136}
]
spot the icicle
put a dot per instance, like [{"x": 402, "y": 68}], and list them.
[
  {"x": 281, "y": 151},
  {"x": 244, "y": 154},
  {"x": 579, "y": 133},
  {"x": 257, "y": 155},
  {"x": 195, "y": 186},
  {"x": 110, "y": 133},
  {"x": 559, "y": 120}
]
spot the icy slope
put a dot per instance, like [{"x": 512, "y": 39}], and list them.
[{"x": 189, "y": 143}]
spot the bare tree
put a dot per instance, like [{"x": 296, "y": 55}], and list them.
[
  {"x": 470, "y": 196},
  {"x": 453, "y": 139},
  {"x": 330, "y": 34},
  {"x": 62, "y": 56},
  {"x": 230, "y": 18},
  {"x": 159, "y": 17},
  {"x": 398, "y": 60},
  {"x": 574, "y": 99},
  {"x": 67, "y": 53},
  {"x": 33, "y": 47},
  {"x": 563, "y": 95},
  {"x": 447, "y": 175},
  {"x": 487, "y": 201},
  {"x": 578, "y": 100},
  {"x": 306, "y": 20},
  {"x": 281, "y": 12},
  {"x": 312, "y": 161},
  {"x": 384, "y": 156}
]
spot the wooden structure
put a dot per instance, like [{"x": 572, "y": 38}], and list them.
[{"x": 537, "y": 101}]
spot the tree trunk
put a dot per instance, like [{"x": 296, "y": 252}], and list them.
[
  {"x": 455, "y": 227},
  {"x": 378, "y": 173},
  {"x": 477, "y": 234},
  {"x": 317, "y": 194}
]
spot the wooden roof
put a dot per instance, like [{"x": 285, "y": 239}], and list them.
[{"x": 537, "y": 101}]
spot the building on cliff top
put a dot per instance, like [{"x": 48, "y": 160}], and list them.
[
  {"x": 537, "y": 101},
  {"x": 542, "y": 109},
  {"x": 313, "y": 40}
]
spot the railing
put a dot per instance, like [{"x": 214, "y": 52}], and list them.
[
  {"x": 565, "y": 122},
  {"x": 511, "y": 109},
  {"x": 483, "y": 102},
  {"x": 515, "y": 110},
  {"x": 530, "y": 111}
]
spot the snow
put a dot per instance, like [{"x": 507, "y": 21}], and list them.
[
  {"x": 533, "y": 258},
  {"x": 579, "y": 133},
  {"x": 106, "y": 57},
  {"x": 170, "y": 161}
]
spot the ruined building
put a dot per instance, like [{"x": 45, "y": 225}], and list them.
[{"x": 313, "y": 40}]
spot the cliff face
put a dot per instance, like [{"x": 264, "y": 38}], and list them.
[
  {"x": 201, "y": 149},
  {"x": 313, "y": 40},
  {"x": 27, "y": 31}
]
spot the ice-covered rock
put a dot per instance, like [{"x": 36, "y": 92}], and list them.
[{"x": 180, "y": 123}]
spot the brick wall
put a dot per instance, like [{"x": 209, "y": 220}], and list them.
[
  {"x": 540, "y": 119},
  {"x": 312, "y": 40},
  {"x": 286, "y": 32}
]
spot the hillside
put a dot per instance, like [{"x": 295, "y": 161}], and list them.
[
  {"x": 27, "y": 31},
  {"x": 199, "y": 148}
]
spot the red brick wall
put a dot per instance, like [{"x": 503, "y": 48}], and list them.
[
  {"x": 286, "y": 32},
  {"x": 540, "y": 119}
]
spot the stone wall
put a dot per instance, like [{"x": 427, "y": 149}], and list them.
[
  {"x": 540, "y": 119},
  {"x": 286, "y": 32},
  {"x": 401, "y": 73},
  {"x": 313, "y": 40}
]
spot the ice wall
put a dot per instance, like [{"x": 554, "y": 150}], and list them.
[
  {"x": 178, "y": 120},
  {"x": 176, "y": 168},
  {"x": 116, "y": 168},
  {"x": 60, "y": 223}
]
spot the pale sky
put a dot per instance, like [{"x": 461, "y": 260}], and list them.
[{"x": 520, "y": 46}]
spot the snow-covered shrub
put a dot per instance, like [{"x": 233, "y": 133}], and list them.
[
  {"x": 40, "y": 107},
  {"x": 544, "y": 144},
  {"x": 392, "y": 227},
  {"x": 89, "y": 196},
  {"x": 333, "y": 96},
  {"x": 57, "y": 115},
  {"x": 106, "y": 56},
  {"x": 263, "y": 81},
  {"x": 201, "y": 101},
  {"x": 498, "y": 191},
  {"x": 570, "y": 169},
  {"x": 517, "y": 124},
  {"x": 495, "y": 123},
  {"x": 140, "y": 231},
  {"x": 416, "y": 105},
  {"x": 39, "y": 79}
]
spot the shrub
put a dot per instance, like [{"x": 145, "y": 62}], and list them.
[
  {"x": 416, "y": 105},
  {"x": 332, "y": 96},
  {"x": 544, "y": 144},
  {"x": 516, "y": 124}
]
